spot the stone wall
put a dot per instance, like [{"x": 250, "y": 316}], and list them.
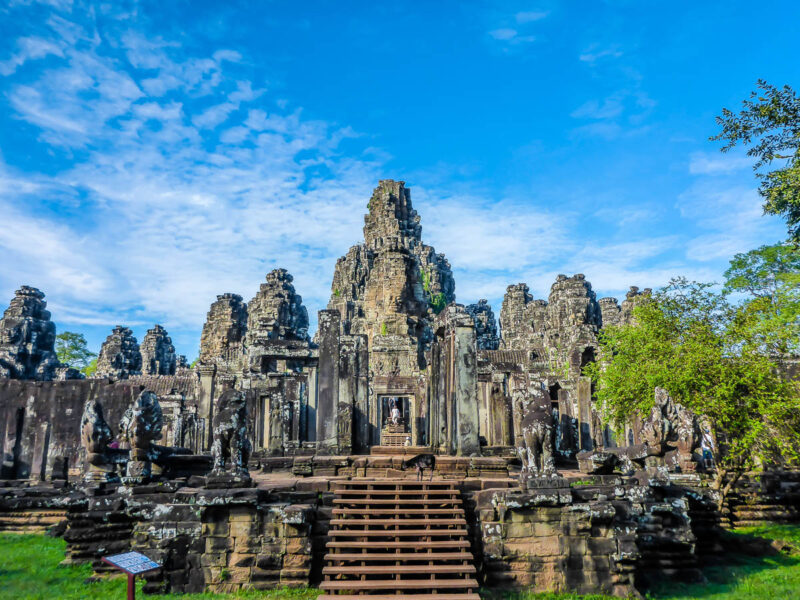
[
  {"x": 600, "y": 534},
  {"x": 609, "y": 536},
  {"x": 763, "y": 498},
  {"x": 40, "y": 420}
]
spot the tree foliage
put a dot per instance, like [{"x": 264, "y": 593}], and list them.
[
  {"x": 769, "y": 277},
  {"x": 90, "y": 369},
  {"x": 73, "y": 351},
  {"x": 710, "y": 354},
  {"x": 769, "y": 123}
]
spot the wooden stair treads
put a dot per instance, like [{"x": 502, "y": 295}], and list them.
[{"x": 386, "y": 541}]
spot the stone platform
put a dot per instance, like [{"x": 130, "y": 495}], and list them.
[
  {"x": 598, "y": 534},
  {"x": 390, "y": 464}
]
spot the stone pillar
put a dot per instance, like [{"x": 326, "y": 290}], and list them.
[
  {"x": 585, "y": 413},
  {"x": 353, "y": 411},
  {"x": 205, "y": 402},
  {"x": 466, "y": 390},
  {"x": 311, "y": 408},
  {"x": 569, "y": 442},
  {"x": 328, "y": 382}
]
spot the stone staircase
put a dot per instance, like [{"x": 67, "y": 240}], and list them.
[{"x": 391, "y": 538}]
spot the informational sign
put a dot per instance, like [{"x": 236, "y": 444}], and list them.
[{"x": 133, "y": 563}]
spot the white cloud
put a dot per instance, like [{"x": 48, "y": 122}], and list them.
[
  {"x": 732, "y": 217},
  {"x": 600, "y": 109},
  {"x": 595, "y": 53},
  {"x": 702, "y": 163},
  {"x": 503, "y": 33},
  {"x": 30, "y": 48},
  {"x": 530, "y": 16},
  {"x": 622, "y": 113},
  {"x": 176, "y": 211}
]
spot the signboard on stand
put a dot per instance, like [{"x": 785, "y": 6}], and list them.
[{"x": 133, "y": 564}]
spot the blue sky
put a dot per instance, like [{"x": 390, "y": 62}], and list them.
[{"x": 156, "y": 154}]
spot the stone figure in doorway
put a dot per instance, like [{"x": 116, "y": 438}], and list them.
[{"x": 395, "y": 418}]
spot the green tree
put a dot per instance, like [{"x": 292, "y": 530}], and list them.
[
  {"x": 90, "y": 369},
  {"x": 72, "y": 350},
  {"x": 769, "y": 123},
  {"x": 690, "y": 340},
  {"x": 769, "y": 278}
]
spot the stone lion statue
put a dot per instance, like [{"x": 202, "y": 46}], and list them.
[
  {"x": 95, "y": 433},
  {"x": 141, "y": 424},
  {"x": 535, "y": 449},
  {"x": 230, "y": 434}
]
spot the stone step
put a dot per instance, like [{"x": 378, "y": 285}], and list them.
[
  {"x": 398, "y": 569},
  {"x": 369, "y": 501},
  {"x": 448, "y": 544},
  {"x": 398, "y": 511},
  {"x": 400, "y": 492},
  {"x": 397, "y": 533},
  {"x": 398, "y": 556},
  {"x": 352, "y": 483},
  {"x": 395, "y": 596},
  {"x": 360, "y": 521},
  {"x": 400, "y": 584},
  {"x": 404, "y": 522}
]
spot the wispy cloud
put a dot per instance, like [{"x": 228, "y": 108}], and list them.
[
  {"x": 514, "y": 30},
  {"x": 595, "y": 53},
  {"x": 530, "y": 16},
  {"x": 511, "y": 36},
  {"x": 622, "y": 113},
  {"x": 703, "y": 163},
  {"x": 176, "y": 198}
]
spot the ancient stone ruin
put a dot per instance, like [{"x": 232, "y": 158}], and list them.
[
  {"x": 27, "y": 338},
  {"x": 408, "y": 423},
  {"x": 119, "y": 356}
]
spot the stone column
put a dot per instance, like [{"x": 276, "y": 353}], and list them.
[
  {"x": 205, "y": 402},
  {"x": 466, "y": 390},
  {"x": 353, "y": 394},
  {"x": 311, "y": 408},
  {"x": 585, "y": 413},
  {"x": 328, "y": 382}
]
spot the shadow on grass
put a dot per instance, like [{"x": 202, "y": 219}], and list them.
[{"x": 751, "y": 567}]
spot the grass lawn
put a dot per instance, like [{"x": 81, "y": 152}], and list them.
[{"x": 29, "y": 571}]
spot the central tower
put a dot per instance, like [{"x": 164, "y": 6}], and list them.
[{"x": 389, "y": 289}]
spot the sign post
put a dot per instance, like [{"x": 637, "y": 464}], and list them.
[{"x": 133, "y": 564}]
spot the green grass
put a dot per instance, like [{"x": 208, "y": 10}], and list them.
[
  {"x": 746, "y": 577},
  {"x": 29, "y": 571}
]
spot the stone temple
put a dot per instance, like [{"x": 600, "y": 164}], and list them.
[{"x": 411, "y": 444}]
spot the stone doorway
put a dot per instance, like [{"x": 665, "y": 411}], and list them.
[{"x": 392, "y": 434}]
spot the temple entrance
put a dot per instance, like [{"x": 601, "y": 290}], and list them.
[{"x": 395, "y": 420}]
